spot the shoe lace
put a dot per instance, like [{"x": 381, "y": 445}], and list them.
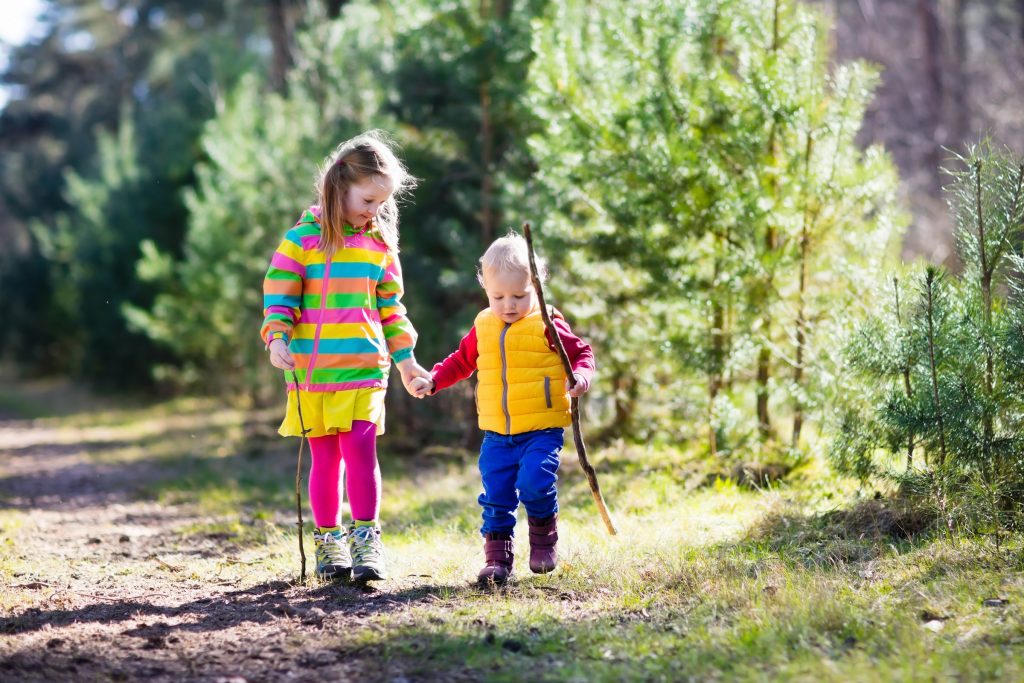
[
  {"x": 366, "y": 546},
  {"x": 332, "y": 550}
]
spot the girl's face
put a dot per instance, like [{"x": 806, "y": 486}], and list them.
[
  {"x": 510, "y": 293},
  {"x": 364, "y": 199}
]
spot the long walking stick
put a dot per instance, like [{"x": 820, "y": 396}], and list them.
[
  {"x": 577, "y": 434},
  {"x": 298, "y": 478}
]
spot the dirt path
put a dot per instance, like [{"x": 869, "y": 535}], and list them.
[{"x": 100, "y": 585}]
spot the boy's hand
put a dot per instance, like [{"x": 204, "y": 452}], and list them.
[
  {"x": 580, "y": 388},
  {"x": 280, "y": 357},
  {"x": 410, "y": 371},
  {"x": 422, "y": 386}
]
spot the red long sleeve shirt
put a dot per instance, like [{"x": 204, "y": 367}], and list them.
[{"x": 462, "y": 363}]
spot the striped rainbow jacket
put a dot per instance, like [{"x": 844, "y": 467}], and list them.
[{"x": 343, "y": 319}]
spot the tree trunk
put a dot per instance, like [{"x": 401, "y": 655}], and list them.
[
  {"x": 801, "y": 313},
  {"x": 910, "y": 436},
  {"x": 281, "y": 40},
  {"x": 798, "y": 371},
  {"x": 727, "y": 328},
  {"x": 931, "y": 34},
  {"x": 986, "y": 295},
  {"x": 625, "y": 387},
  {"x": 905, "y": 372},
  {"x": 930, "y": 281},
  {"x": 715, "y": 369},
  {"x": 961, "y": 117},
  {"x": 727, "y": 377},
  {"x": 1020, "y": 5},
  {"x": 764, "y": 423}
]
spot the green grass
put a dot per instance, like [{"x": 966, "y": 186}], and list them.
[
  {"x": 701, "y": 583},
  {"x": 705, "y": 581}
]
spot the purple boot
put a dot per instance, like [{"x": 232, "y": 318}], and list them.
[
  {"x": 498, "y": 554},
  {"x": 543, "y": 544}
]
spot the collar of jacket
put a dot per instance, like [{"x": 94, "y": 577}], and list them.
[{"x": 312, "y": 216}]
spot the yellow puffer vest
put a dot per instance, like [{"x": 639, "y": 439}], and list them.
[{"x": 520, "y": 380}]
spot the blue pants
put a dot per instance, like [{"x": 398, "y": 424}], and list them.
[{"x": 518, "y": 468}]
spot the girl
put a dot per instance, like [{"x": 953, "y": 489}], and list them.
[
  {"x": 334, "y": 321},
  {"x": 520, "y": 407}
]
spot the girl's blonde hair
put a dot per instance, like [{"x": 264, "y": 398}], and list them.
[
  {"x": 355, "y": 160},
  {"x": 511, "y": 254}
]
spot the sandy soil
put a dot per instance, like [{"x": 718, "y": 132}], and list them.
[{"x": 103, "y": 589}]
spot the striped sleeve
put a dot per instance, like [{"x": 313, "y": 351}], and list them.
[
  {"x": 398, "y": 330},
  {"x": 282, "y": 290}
]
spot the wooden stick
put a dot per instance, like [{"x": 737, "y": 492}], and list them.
[
  {"x": 298, "y": 478},
  {"x": 577, "y": 434}
]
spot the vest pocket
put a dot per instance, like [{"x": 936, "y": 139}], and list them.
[{"x": 547, "y": 391}]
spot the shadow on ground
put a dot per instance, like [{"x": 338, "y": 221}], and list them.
[{"x": 259, "y": 604}]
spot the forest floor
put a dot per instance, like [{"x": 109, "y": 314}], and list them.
[{"x": 157, "y": 542}]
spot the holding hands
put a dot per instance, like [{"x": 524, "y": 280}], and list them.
[
  {"x": 422, "y": 386},
  {"x": 413, "y": 377}
]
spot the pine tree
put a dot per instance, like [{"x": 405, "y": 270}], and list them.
[
  {"x": 723, "y": 206},
  {"x": 880, "y": 358},
  {"x": 986, "y": 196},
  {"x": 423, "y": 77},
  {"x": 103, "y": 71},
  {"x": 262, "y": 150},
  {"x": 957, "y": 361},
  {"x": 92, "y": 251}
]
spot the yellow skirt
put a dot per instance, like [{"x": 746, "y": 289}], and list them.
[{"x": 330, "y": 412}]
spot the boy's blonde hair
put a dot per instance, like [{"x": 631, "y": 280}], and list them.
[
  {"x": 364, "y": 156},
  {"x": 511, "y": 254}
]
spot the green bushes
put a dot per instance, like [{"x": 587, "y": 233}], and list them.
[
  {"x": 934, "y": 394},
  {"x": 713, "y": 213}
]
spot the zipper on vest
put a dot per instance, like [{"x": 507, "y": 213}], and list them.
[
  {"x": 319, "y": 324},
  {"x": 504, "y": 379},
  {"x": 547, "y": 391}
]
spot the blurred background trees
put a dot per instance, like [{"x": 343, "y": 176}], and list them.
[
  {"x": 950, "y": 75},
  {"x": 715, "y": 184},
  {"x": 99, "y": 140},
  {"x": 716, "y": 197}
]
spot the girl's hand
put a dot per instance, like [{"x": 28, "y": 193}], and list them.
[
  {"x": 421, "y": 386},
  {"x": 410, "y": 370},
  {"x": 580, "y": 388},
  {"x": 280, "y": 357}
]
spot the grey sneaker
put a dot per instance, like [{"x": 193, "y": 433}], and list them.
[
  {"x": 333, "y": 562},
  {"x": 367, "y": 553}
]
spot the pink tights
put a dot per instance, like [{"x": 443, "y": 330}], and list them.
[{"x": 355, "y": 450}]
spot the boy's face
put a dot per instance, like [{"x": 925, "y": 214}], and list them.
[
  {"x": 510, "y": 293},
  {"x": 364, "y": 199}
]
